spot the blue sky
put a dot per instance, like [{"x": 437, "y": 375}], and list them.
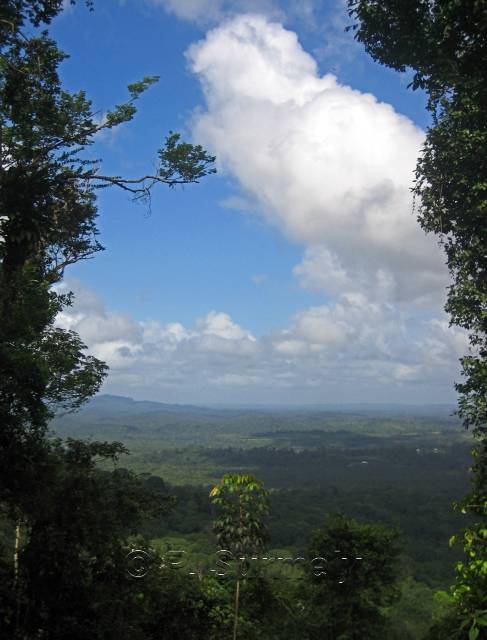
[{"x": 296, "y": 274}]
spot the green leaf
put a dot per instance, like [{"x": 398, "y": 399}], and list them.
[{"x": 473, "y": 634}]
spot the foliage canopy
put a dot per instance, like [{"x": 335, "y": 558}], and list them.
[{"x": 445, "y": 45}]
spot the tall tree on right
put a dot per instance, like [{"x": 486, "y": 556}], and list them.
[{"x": 445, "y": 45}]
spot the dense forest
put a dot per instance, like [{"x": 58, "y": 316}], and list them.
[{"x": 121, "y": 519}]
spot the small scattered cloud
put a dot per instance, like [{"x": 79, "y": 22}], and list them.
[
  {"x": 107, "y": 137},
  {"x": 351, "y": 350},
  {"x": 259, "y": 278},
  {"x": 237, "y": 203},
  {"x": 67, "y": 6},
  {"x": 337, "y": 48},
  {"x": 209, "y": 12}
]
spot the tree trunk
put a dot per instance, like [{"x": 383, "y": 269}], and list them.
[
  {"x": 237, "y": 599},
  {"x": 16, "y": 576},
  {"x": 16, "y": 553}
]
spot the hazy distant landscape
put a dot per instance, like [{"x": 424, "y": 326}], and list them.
[{"x": 397, "y": 464}]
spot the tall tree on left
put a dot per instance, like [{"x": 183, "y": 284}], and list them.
[
  {"x": 48, "y": 221},
  {"x": 48, "y": 215}
]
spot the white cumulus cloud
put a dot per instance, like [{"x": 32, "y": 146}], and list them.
[{"x": 330, "y": 166}]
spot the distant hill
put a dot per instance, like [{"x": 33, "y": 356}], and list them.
[
  {"x": 111, "y": 404},
  {"x": 112, "y": 417},
  {"x": 108, "y": 403}
]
